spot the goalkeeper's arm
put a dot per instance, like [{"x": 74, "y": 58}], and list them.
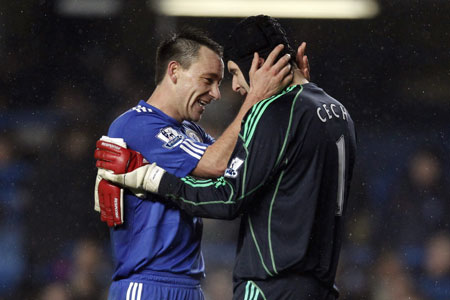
[{"x": 210, "y": 198}]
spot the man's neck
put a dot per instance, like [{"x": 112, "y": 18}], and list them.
[
  {"x": 162, "y": 99},
  {"x": 298, "y": 78}
]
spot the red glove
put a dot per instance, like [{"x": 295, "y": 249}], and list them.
[
  {"x": 109, "y": 197},
  {"x": 118, "y": 159}
]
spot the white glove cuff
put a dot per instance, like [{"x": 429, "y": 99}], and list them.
[{"x": 153, "y": 178}]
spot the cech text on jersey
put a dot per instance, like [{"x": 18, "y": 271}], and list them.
[{"x": 326, "y": 112}]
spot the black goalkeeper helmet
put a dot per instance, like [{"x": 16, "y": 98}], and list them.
[{"x": 255, "y": 34}]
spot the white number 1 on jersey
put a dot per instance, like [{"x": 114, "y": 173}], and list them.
[{"x": 340, "y": 144}]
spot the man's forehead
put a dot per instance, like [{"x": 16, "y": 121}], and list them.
[
  {"x": 214, "y": 75},
  {"x": 232, "y": 66},
  {"x": 206, "y": 53},
  {"x": 211, "y": 65}
]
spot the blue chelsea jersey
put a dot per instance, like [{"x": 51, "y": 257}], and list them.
[{"x": 155, "y": 237}]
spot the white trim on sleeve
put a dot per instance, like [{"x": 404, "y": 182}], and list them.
[
  {"x": 188, "y": 151},
  {"x": 193, "y": 149},
  {"x": 196, "y": 145}
]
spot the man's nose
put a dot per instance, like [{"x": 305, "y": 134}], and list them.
[
  {"x": 235, "y": 85},
  {"x": 215, "y": 92}
]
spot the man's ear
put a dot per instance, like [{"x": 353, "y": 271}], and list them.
[{"x": 173, "y": 70}]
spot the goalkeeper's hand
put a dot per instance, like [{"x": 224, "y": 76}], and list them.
[
  {"x": 109, "y": 202},
  {"x": 109, "y": 198},
  {"x": 143, "y": 179},
  {"x": 117, "y": 159}
]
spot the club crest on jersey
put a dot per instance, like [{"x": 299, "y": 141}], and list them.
[
  {"x": 170, "y": 137},
  {"x": 232, "y": 170},
  {"x": 193, "y": 135}
]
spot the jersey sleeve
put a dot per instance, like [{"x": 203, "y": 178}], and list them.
[
  {"x": 257, "y": 158},
  {"x": 161, "y": 142}
]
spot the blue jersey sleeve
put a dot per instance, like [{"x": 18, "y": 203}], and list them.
[{"x": 175, "y": 147}]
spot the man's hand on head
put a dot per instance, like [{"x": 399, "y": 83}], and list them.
[{"x": 272, "y": 76}]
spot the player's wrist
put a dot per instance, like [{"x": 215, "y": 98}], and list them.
[{"x": 152, "y": 178}]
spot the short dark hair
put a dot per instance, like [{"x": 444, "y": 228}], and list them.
[
  {"x": 255, "y": 34},
  {"x": 182, "y": 47}
]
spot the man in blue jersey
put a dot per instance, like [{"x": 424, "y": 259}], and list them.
[{"x": 157, "y": 249}]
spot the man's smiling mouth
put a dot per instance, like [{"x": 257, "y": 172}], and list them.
[{"x": 202, "y": 103}]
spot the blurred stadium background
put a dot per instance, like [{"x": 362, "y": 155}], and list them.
[{"x": 69, "y": 67}]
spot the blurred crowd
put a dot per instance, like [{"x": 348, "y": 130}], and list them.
[{"x": 64, "y": 80}]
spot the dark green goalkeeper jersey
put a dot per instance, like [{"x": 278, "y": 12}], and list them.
[{"x": 288, "y": 178}]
